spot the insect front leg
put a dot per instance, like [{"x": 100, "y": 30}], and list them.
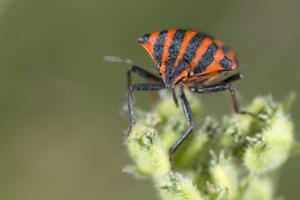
[
  {"x": 188, "y": 115},
  {"x": 157, "y": 85}
]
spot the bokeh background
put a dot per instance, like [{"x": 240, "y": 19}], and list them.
[{"x": 60, "y": 127}]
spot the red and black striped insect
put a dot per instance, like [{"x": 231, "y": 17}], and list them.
[{"x": 188, "y": 59}]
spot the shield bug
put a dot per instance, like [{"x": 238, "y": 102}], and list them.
[{"x": 188, "y": 59}]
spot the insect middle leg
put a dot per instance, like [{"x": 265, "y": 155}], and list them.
[
  {"x": 157, "y": 84},
  {"x": 219, "y": 88},
  {"x": 188, "y": 115}
]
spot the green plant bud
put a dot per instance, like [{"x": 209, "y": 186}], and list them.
[
  {"x": 254, "y": 146},
  {"x": 192, "y": 150},
  {"x": 272, "y": 146},
  {"x": 224, "y": 174},
  {"x": 259, "y": 189},
  {"x": 172, "y": 130},
  {"x": 240, "y": 125},
  {"x": 175, "y": 186},
  {"x": 148, "y": 152},
  {"x": 216, "y": 192}
]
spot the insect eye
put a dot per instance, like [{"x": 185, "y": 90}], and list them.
[{"x": 190, "y": 73}]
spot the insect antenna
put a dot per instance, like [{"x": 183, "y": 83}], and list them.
[{"x": 118, "y": 59}]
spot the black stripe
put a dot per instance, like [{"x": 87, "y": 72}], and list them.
[
  {"x": 176, "y": 43},
  {"x": 179, "y": 69},
  {"x": 206, "y": 59},
  {"x": 193, "y": 46},
  {"x": 172, "y": 73},
  {"x": 169, "y": 71},
  {"x": 159, "y": 46},
  {"x": 226, "y": 63}
]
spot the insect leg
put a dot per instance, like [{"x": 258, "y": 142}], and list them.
[
  {"x": 219, "y": 88},
  {"x": 130, "y": 102},
  {"x": 210, "y": 89},
  {"x": 188, "y": 115},
  {"x": 235, "y": 77},
  {"x": 174, "y": 97},
  {"x": 145, "y": 74},
  {"x": 236, "y": 105},
  {"x": 147, "y": 86}
]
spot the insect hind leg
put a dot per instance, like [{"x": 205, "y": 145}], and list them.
[
  {"x": 235, "y": 102},
  {"x": 188, "y": 115},
  {"x": 234, "y": 77},
  {"x": 223, "y": 87}
]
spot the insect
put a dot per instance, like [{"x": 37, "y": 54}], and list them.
[{"x": 187, "y": 59}]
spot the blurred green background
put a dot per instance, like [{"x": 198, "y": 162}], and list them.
[{"x": 60, "y": 128}]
